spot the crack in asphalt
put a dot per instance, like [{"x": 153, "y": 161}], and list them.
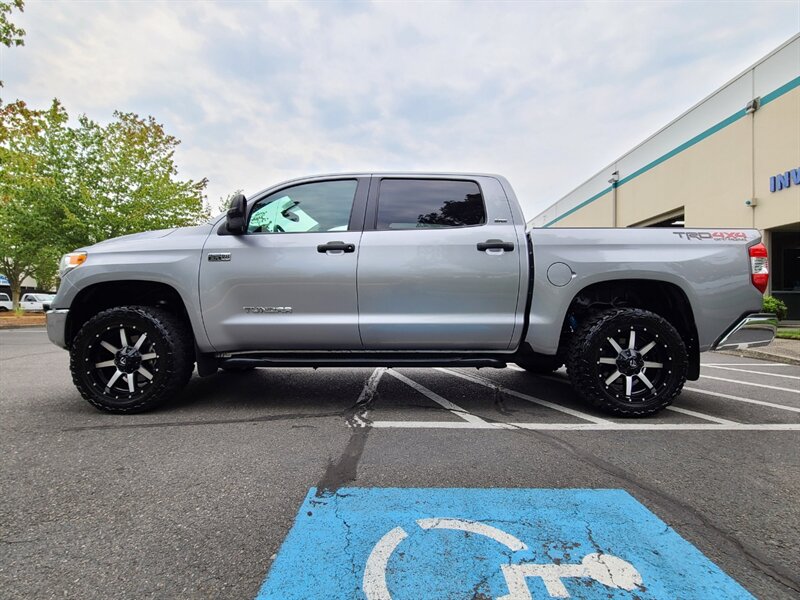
[
  {"x": 753, "y": 556},
  {"x": 261, "y": 419},
  {"x": 345, "y": 468}
]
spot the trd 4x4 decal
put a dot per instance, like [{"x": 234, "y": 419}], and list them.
[{"x": 737, "y": 236}]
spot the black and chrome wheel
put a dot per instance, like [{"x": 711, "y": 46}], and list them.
[
  {"x": 629, "y": 362},
  {"x": 131, "y": 358}
]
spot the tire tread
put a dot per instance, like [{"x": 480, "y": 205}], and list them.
[
  {"x": 180, "y": 358},
  {"x": 579, "y": 368}
]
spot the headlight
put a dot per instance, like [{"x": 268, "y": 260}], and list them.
[{"x": 70, "y": 261}]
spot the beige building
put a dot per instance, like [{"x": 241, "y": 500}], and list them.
[{"x": 732, "y": 160}]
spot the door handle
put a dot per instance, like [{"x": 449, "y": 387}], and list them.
[
  {"x": 336, "y": 246},
  {"x": 496, "y": 245}
]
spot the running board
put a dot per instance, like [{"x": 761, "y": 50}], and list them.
[{"x": 361, "y": 360}]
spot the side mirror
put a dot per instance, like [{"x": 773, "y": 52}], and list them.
[{"x": 236, "y": 220}]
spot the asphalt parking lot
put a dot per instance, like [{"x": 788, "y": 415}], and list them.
[{"x": 195, "y": 500}]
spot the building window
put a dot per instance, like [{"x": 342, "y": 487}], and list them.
[
  {"x": 786, "y": 261},
  {"x": 675, "y": 221}
]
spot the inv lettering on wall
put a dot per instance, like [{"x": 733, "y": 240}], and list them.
[{"x": 784, "y": 180}]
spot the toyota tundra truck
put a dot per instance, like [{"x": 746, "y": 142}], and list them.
[{"x": 405, "y": 270}]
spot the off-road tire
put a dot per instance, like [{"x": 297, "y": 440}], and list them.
[
  {"x": 590, "y": 342},
  {"x": 168, "y": 338}
]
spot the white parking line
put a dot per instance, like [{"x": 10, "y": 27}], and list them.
[
  {"x": 607, "y": 426},
  {"x": 761, "y": 385},
  {"x": 740, "y": 399},
  {"x": 754, "y": 372},
  {"x": 509, "y": 392},
  {"x": 699, "y": 415},
  {"x": 710, "y": 393},
  {"x": 663, "y": 426},
  {"x": 453, "y": 408},
  {"x": 750, "y": 364},
  {"x": 435, "y": 425}
]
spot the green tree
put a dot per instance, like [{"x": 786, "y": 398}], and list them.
[
  {"x": 126, "y": 181},
  {"x": 225, "y": 202},
  {"x": 33, "y": 146},
  {"x": 63, "y": 187},
  {"x": 10, "y": 34}
]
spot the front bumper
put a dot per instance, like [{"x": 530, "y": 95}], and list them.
[
  {"x": 752, "y": 331},
  {"x": 57, "y": 326}
]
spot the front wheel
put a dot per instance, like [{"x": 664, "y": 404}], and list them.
[
  {"x": 131, "y": 358},
  {"x": 628, "y": 362}
]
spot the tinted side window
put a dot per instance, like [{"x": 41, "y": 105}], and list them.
[
  {"x": 321, "y": 206},
  {"x": 429, "y": 203}
]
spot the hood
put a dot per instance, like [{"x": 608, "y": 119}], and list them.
[
  {"x": 157, "y": 234},
  {"x": 144, "y": 235}
]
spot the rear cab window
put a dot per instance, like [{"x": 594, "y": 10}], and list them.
[{"x": 429, "y": 204}]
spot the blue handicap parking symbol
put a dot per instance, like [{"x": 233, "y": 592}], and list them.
[{"x": 505, "y": 544}]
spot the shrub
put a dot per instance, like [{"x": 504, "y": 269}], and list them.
[{"x": 773, "y": 305}]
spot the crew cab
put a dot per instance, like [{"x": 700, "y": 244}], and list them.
[{"x": 405, "y": 269}]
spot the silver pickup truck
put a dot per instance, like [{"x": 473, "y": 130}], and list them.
[{"x": 405, "y": 269}]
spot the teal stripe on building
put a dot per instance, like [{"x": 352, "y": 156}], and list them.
[{"x": 766, "y": 99}]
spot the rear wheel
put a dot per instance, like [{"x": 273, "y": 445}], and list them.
[
  {"x": 131, "y": 358},
  {"x": 628, "y": 362}
]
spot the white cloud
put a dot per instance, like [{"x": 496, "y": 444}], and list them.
[{"x": 544, "y": 93}]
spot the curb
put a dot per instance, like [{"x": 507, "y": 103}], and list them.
[{"x": 760, "y": 354}]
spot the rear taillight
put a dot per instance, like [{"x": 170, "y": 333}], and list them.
[{"x": 759, "y": 267}]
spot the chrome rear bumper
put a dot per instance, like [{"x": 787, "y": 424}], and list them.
[{"x": 752, "y": 331}]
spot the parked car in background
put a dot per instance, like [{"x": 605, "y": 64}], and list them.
[
  {"x": 5, "y": 303},
  {"x": 36, "y": 302}
]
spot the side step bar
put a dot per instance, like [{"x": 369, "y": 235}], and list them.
[{"x": 361, "y": 360}]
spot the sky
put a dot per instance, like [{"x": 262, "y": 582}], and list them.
[{"x": 546, "y": 94}]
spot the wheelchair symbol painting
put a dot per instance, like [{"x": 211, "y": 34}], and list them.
[
  {"x": 609, "y": 570},
  {"x": 498, "y": 544}
]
